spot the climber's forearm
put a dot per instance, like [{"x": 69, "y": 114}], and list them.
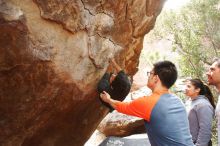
[{"x": 116, "y": 66}]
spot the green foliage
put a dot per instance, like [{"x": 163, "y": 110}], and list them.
[
  {"x": 195, "y": 34},
  {"x": 150, "y": 57},
  {"x": 214, "y": 133}
]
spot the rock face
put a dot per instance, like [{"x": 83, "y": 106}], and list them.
[
  {"x": 117, "y": 124},
  {"x": 53, "y": 52}
]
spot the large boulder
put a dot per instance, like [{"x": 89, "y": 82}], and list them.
[
  {"x": 53, "y": 53},
  {"x": 117, "y": 124}
]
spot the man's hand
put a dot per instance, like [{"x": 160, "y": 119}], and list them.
[{"x": 105, "y": 97}]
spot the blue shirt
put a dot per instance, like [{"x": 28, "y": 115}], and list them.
[{"x": 168, "y": 125}]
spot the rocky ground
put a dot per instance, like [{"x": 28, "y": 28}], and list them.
[{"x": 133, "y": 140}]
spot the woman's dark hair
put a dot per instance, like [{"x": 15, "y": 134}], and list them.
[
  {"x": 204, "y": 90},
  {"x": 166, "y": 71}
]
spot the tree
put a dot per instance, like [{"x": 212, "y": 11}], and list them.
[{"x": 195, "y": 34}]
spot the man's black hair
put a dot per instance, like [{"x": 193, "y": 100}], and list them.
[{"x": 167, "y": 72}]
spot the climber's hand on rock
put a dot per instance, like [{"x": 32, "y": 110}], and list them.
[{"x": 105, "y": 96}]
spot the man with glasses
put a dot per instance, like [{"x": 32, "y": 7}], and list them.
[
  {"x": 214, "y": 79},
  {"x": 164, "y": 114}
]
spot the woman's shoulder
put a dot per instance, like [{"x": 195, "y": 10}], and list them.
[{"x": 202, "y": 103}]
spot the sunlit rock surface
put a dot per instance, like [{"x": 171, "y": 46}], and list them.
[
  {"x": 53, "y": 53},
  {"x": 96, "y": 139},
  {"x": 116, "y": 124}
]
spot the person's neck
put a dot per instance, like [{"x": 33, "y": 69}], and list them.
[
  {"x": 194, "y": 97},
  {"x": 160, "y": 89}
]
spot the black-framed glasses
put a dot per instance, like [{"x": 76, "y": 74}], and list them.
[{"x": 149, "y": 73}]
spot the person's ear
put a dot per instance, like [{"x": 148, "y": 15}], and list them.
[
  {"x": 156, "y": 78},
  {"x": 198, "y": 90}
]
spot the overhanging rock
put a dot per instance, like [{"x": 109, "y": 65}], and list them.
[{"x": 53, "y": 52}]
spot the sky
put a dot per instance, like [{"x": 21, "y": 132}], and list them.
[{"x": 175, "y": 4}]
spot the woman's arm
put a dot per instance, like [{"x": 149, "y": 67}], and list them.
[{"x": 205, "y": 116}]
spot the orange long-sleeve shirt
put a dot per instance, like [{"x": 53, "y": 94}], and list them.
[
  {"x": 165, "y": 117},
  {"x": 141, "y": 107}
]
